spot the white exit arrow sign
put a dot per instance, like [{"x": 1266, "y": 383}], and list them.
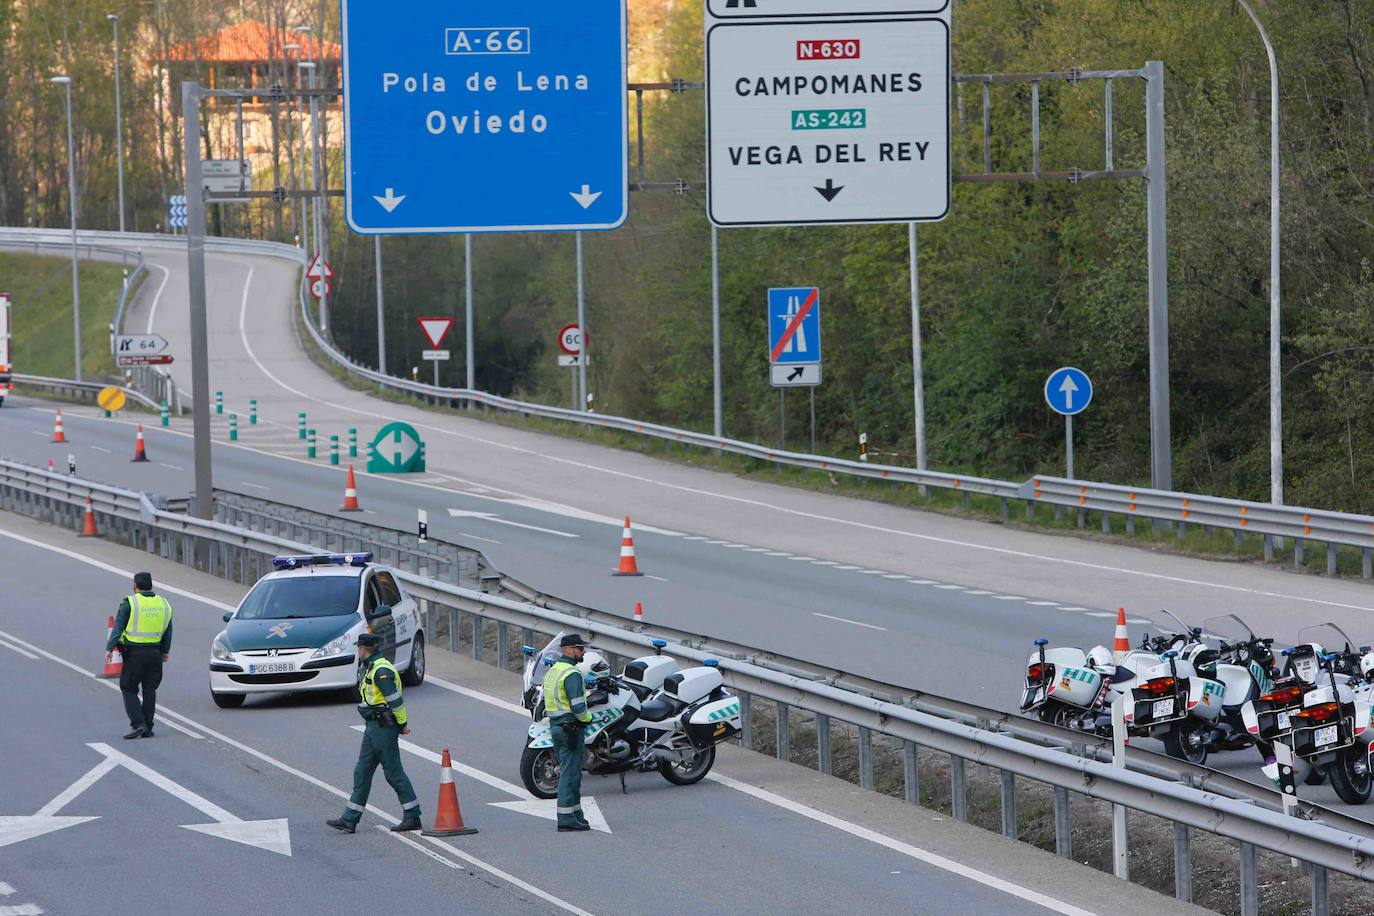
[{"x": 140, "y": 344}]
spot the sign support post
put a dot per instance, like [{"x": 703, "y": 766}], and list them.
[
  {"x": 381, "y": 308},
  {"x": 582, "y": 324},
  {"x": 468, "y": 320},
  {"x": 1068, "y": 444},
  {"x": 195, "y": 271},
  {"x": 717, "y": 398},
  {"x": 917, "y": 370}
]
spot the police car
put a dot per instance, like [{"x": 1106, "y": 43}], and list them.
[{"x": 296, "y": 629}]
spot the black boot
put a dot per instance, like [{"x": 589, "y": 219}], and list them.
[
  {"x": 342, "y": 825},
  {"x": 411, "y": 821},
  {"x": 136, "y": 733}
]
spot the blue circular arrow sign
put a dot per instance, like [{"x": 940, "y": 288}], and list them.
[{"x": 1068, "y": 391}]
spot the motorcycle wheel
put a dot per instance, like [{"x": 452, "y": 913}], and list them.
[
  {"x": 1350, "y": 777},
  {"x": 1056, "y": 713},
  {"x": 539, "y": 771},
  {"x": 1185, "y": 741},
  {"x": 686, "y": 774}
]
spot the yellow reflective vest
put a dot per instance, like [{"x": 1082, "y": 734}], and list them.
[
  {"x": 374, "y": 695},
  {"x": 556, "y": 701},
  {"x": 149, "y": 617}
]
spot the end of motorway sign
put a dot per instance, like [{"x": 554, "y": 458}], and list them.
[
  {"x": 814, "y": 120},
  {"x": 467, "y": 116}
]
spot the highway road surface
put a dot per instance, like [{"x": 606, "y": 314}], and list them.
[{"x": 223, "y": 811}]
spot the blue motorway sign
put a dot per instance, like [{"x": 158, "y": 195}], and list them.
[
  {"x": 794, "y": 325},
  {"x": 1068, "y": 391},
  {"x": 465, "y": 116}
]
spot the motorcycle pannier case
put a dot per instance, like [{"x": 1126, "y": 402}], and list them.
[
  {"x": 650, "y": 671},
  {"x": 1075, "y": 685},
  {"x": 712, "y": 723},
  {"x": 693, "y": 684}
]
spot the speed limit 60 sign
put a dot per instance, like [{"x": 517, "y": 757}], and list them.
[{"x": 570, "y": 339}]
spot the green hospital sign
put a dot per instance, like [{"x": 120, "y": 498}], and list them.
[{"x": 396, "y": 450}]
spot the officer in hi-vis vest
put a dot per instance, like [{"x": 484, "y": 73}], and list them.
[
  {"x": 143, "y": 634},
  {"x": 565, "y": 702},
  {"x": 384, "y": 711}
]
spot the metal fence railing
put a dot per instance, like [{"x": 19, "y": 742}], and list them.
[
  {"x": 243, "y": 554},
  {"x": 78, "y": 391},
  {"x": 1274, "y": 524}
]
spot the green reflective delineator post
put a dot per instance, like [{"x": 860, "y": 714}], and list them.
[
  {"x": 253, "y": 413},
  {"x": 300, "y": 423},
  {"x": 396, "y": 450},
  {"x": 333, "y": 449},
  {"x": 219, "y": 402},
  {"x": 166, "y": 414},
  {"x": 233, "y": 427},
  {"x": 352, "y": 442},
  {"x": 310, "y": 443}
]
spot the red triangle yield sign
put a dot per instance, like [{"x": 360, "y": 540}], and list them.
[
  {"x": 319, "y": 269},
  {"x": 436, "y": 329}
]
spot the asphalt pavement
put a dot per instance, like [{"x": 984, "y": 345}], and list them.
[{"x": 225, "y": 808}]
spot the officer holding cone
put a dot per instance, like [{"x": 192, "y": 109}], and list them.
[
  {"x": 384, "y": 711},
  {"x": 143, "y": 634}
]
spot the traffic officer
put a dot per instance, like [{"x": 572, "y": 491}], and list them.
[
  {"x": 143, "y": 634},
  {"x": 565, "y": 702},
  {"x": 384, "y": 711}
]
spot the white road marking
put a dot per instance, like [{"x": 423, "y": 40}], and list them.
[
  {"x": 101, "y": 448},
  {"x": 174, "y": 467},
  {"x": 924, "y": 582},
  {"x": 1065, "y": 607},
  {"x": 6, "y": 889},
  {"x": 655, "y": 578},
  {"x": 70, "y": 794},
  {"x": 20, "y": 651},
  {"x": 802, "y": 559},
  {"x": 1140, "y": 621},
  {"x": 780, "y": 553},
  {"x": 1043, "y": 603},
  {"x": 39, "y": 433},
  {"x": 755, "y": 549},
  {"x": 157, "y": 297},
  {"x": 255, "y": 486},
  {"x": 895, "y": 576},
  {"x": 906, "y": 849},
  {"x": 856, "y": 623},
  {"x": 951, "y": 587},
  {"x": 696, "y": 537},
  {"x": 1008, "y": 598},
  {"x": 23, "y": 909},
  {"x": 475, "y": 537},
  {"x": 1099, "y": 614},
  {"x": 477, "y": 695},
  {"x": 493, "y": 517},
  {"x": 824, "y": 563},
  {"x": 717, "y": 543},
  {"x": 977, "y": 592}
]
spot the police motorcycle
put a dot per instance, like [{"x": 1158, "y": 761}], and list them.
[
  {"x": 1330, "y": 734},
  {"x": 1243, "y": 665},
  {"x": 1270, "y": 716},
  {"x": 1071, "y": 688},
  {"x": 654, "y": 716}
]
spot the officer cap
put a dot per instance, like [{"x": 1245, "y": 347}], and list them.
[
  {"x": 571, "y": 640},
  {"x": 369, "y": 640}
]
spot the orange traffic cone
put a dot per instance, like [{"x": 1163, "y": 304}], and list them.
[
  {"x": 351, "y": 494},
  {"x": 449, "y": 819},
  {"x": 57, "y": 434},
  {"x": 115, "y": 666},
  {"x": 88, "y": 526},
  {"x": 639, "y": 612},
  {"x": 1122, "y": 644},
  {"x": 628, "y": 566},
  {"x": 140, "y": 453}
]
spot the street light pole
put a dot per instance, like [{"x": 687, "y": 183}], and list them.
[
  {"x": 66, "y": 83},
  {"x": 1275, "y": 287},
  {"x": 119, "y": 121},
  {"x": 291, "y": 103},
  {"x": 309, "y": 66}
]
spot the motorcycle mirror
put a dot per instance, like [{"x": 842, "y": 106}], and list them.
[
  {"x": 528, "y": 650},
  {"x": 1171, "y": 654},
  {"x": 658, "y": 645},
  {"x": 711, "y": 663}
]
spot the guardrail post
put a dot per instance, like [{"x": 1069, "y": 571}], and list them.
[
  {"x": 478, "y": 636},
  {"x": 1183, "y": 862},
  {"x": 1106, "y": 523},
  {"x": 784, "y": 733},
  {"x": 1030, "y": 511},
  {"x": 1130, "y": 525},
  {"x": 1063, "y": 824},
  {"x": 958, "y": 788},
  {"x": 1330, "y": 558},
  {"x": 1082, "y": 517},
  {"x": 865, "y": 757},
  {"x": 911, "y": 772},
  {"x": 746, "y": 722},
  {"x": 1269, "y": 548},
  {"x": 1321, "y": 891},
  {"x": 823, "y": 756},
  {"x": 1249, "y": 881},
  {"x": 453, "y": 622},
  {"x": 1009, "y": 829},
  {"x": 1298, "y": 553},
  {"x": 503, "y": 646}
]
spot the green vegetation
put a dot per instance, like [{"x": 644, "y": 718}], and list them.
[{"x": 40, "y": 291}]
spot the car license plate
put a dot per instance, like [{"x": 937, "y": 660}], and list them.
[
  {"x": 271, "y": 668},
  {"x": 1284, "y": 722},
  {"x": 1162, "y": 708},
  {"x": 1326, "y": 735}
]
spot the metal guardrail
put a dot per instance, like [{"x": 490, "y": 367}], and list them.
[
  {"x": 1270, "y": 522},
  {"x": 83, "y": 391},
  {"x": 242, "y": 555}
]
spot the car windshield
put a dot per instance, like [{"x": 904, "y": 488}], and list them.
[{"x": 301, "y": 596}]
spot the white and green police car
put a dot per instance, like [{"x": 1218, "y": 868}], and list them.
[{"x": 296, "y": 629}]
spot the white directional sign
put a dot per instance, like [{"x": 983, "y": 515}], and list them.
[
  {"x": 800, "y": 375},
  {"x": 822, "y": 121},
  {"x": 145, "y": 344},
  {"x": 578, "y": 360},
  {"x": 226, "y": 176},
  {"x": 795, "y": 9},
  {"x": 435, "y": 354}
]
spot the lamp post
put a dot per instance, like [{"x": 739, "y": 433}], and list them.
[
  {"x": 1275, "y": 288},
  {"x": 309, "y": 67},
  {"x": 293, "y": 49},
  {"x": 119, "y": 120},
  {"x": 66, "y": 82}
]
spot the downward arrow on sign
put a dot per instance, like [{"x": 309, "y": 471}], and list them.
[
  {"x": 831, "y": 190},
  {"x": 587, "y": 197}
]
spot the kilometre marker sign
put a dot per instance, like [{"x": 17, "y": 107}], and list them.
[{"x": 827, "y": 121}]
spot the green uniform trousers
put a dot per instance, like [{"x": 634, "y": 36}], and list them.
[
  {"x": 380, "y": 746},
  {"x": 568, "y": 745}
]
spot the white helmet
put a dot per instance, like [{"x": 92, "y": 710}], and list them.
[
  {"x": 593, "y": 666},
  {"x": 1101, "y": 658},
  {"x": 1367, "y": 666}
]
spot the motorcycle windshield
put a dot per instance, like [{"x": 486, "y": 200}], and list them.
[
  {"x": 1226, "y": 628},
  {"x": 538, "y": 664},
  {"x": 1165, "y": 623}
]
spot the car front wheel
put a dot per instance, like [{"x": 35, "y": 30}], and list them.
[
  {"x": 414, "y": 676},
  {"x": 228, "y": 700}
]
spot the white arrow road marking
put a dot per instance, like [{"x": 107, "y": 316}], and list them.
[
  {"x": 493, "y": 517},
  {"x": 537, "y": 807},
  {"x": 69, "y": 794},
  {"x": 6, "y": 889},
  {"x": 587, "y": 197},
  {"x": 271, "y": 835},
  {"x": 23, "y": 909},
  {"x": 18, "y": 829},
  {"x": 391, "y": 201},
  {"x": 1067, "y": 388}
]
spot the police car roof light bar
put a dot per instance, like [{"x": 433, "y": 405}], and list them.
[{"x": 324, "y": 559}]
